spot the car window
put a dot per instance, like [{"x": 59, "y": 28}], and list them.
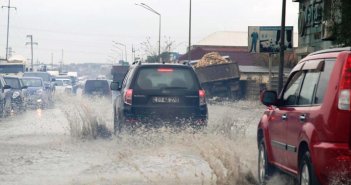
[
  {"x": 32, "y": 82},
  {"x": 163, "y": 78},
  {"x": 59, "y": 83},
  {"x": 96, "y": 85},
  {"x": 125, "y": 80},
  {"x": 308, "y": 88},
  {"x": 292, "y": 89},
  {"x": 324, "y": 80},
  {"x": 13, "y": 82},
  {"x": 44, "y": 76}
]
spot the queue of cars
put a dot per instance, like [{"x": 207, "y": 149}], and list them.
[{"x": 32, "y": 90}]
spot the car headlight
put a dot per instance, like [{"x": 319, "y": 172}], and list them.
[
  {"x": 39, "y": 91},
  {"x": 15, "y": 94}
]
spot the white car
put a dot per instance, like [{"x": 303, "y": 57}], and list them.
[{"x": 63, "y": 86}]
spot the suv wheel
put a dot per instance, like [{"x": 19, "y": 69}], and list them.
[
  {"x": 307, "y": 175},
  {"x": 265, "y": 170}
]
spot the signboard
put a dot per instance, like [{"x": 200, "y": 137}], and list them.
[{"x": 266, "y": 39}]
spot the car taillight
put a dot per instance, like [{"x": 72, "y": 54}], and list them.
[
  {"x": 128, "y": 97},
  {"x": 345, "y": 86},
  {"x": 202, "y": 97}
]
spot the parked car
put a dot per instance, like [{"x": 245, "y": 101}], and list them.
[
  {"x": 97, "y": 88},
  {"x": 159, "y": 93},
  {"x": 5, "y": 98},
  {"x": 306, "y": 131},
  {"x": 64, "y": 86},
  {"x": 18, "y": 93},
  {"x": 37, "y": 95},
  {"x": 49, "y": 82}
]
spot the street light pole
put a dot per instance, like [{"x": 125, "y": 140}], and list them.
[
  {"x": 159, "y": 31},
  {"x": 125, "y": 48},
  {"x": 282, "y": 48}
]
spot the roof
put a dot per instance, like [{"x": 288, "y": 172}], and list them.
[
  {"x": 225, "y": 38},
  {"x": 334, "y": 50},
  {"x": 260, "y": 69}
]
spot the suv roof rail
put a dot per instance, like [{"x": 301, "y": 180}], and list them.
[
  {"x": 137, "y": 62},
  {"x": 334, "y": 50}
]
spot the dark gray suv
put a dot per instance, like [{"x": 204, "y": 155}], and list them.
[{"x": 154, "y": 94}]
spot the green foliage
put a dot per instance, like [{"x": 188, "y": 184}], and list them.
[{"x": 342, "y": 29}]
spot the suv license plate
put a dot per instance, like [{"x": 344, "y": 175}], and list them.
[{"x": 165, "y": 99}]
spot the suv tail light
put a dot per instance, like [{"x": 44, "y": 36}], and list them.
[
  {"x": 202, "y": 97},
  {"x": 345, "y": 86},
  {"x": 128, "y": 97}
]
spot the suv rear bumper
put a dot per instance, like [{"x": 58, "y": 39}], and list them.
[
  {"x": 154, "y": 121},
  {"x": 332, "y": 162}
]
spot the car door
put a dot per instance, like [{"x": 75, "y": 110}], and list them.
[
  {"x": 280, "y": 118},
  {"x": 317, "y": 74}
]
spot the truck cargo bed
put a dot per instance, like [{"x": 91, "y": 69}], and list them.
[{"x": 218, "y": 72}]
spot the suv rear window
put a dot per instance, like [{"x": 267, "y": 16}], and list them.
[
  {"x": 166, "y": 78},
  {"x": 96, "y": 85}
]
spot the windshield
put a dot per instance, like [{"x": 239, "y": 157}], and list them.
[
  {"x": 32, "y": 82},
  {"x": 13, "y": 82},
  {"x": 44, "y": 76}
]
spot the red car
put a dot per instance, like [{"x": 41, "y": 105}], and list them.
[{"x": 305, "y": 131}]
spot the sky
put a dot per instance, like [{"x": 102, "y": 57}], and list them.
[{"x": 84, "y": 29}]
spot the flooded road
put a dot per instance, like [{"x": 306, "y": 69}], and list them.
[{"x": 71, "y": 145}]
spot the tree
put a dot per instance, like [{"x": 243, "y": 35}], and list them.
[
  {"x": 341, "y": 17},
  {"x": 151, "y": 50}
]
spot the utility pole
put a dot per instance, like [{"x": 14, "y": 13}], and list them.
[
  {"x": 8, "y": 26},
  {"x": 61, "y": 64},
  {"x": 133, "y": 53},
  {"x": 282, "y": 48},
  {"x": 189, "y": 47},
  {"x": 52, "y": 61},
  {"x": 31, "y": 43}
]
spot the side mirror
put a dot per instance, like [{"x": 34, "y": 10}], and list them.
[
  {"x": 53, "y": 79},
  {"x": 25, "y": 87},
  {"x": 115, "y": 86},
  {"x": 269, "y": 98},
  {"x": 7, "y": 87}
]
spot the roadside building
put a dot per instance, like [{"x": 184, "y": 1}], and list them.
[{"x": 316, "y": 21}]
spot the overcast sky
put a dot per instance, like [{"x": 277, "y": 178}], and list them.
[{"x": 85, "y": 29}]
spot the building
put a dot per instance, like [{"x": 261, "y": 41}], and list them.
[{"x": 315, "y": 26}]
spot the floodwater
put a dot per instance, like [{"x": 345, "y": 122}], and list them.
[{"x": 72, "y": 144}]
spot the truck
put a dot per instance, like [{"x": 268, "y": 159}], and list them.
[
  {"x": 219, "y": 76},
  {"x": 13, "y": 66},
  {"x": 118, "y": 72}
]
